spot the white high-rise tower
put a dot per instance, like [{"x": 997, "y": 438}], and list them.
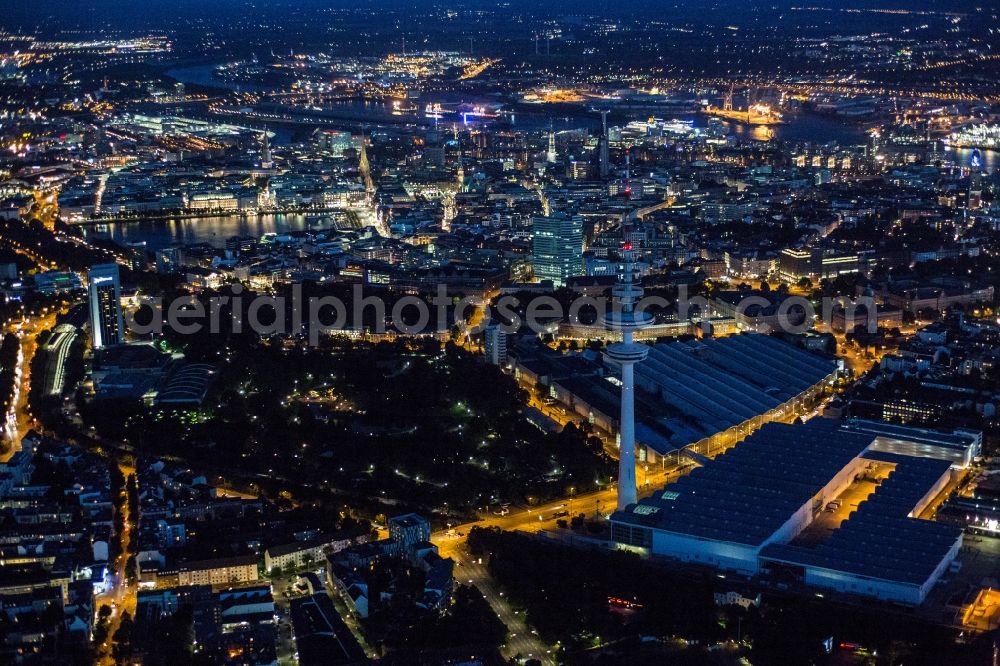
[
  {"x": 627, "y": 353},
  {"x": 605, "y": 162}
]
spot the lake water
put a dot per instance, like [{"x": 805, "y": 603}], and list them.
[{"x": 158, "y": 234}]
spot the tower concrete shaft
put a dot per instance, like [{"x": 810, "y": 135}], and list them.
[
  {"x": 626, "y": 453},
  {"x": 627, "y": 353}
]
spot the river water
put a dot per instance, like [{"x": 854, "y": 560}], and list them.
[{"x": 802, "y": 128}]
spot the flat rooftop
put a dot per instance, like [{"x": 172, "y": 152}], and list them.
[
  {"x": 746, "y": 494},
  {"x": 955, "y": 445},
  {"x": 131, "y": 357},
  {"x": 879, "y": 539}
]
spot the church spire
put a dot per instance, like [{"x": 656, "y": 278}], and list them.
[
  {"x": 364, "y": 167},
  {"x": 265, "y": 155}
]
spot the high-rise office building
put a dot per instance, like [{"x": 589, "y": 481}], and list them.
[
  {"x": 557, "y": 247},
  {"x": 434, "y": 155},
  {"x": 605, "y": 168},
  {"x": 495, "y": 342},
  {"x": 170, "y": 260},
  {"x": 104, "y": 298},
  {"x": 578, "y": 169},
  {"x": 335, "y": 141}
]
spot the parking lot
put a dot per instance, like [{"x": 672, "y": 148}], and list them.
[
  {"x": 958, "y": 588},
  {"x": 830, "y": 518}
]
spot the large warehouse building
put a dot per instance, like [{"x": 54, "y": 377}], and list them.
[
  {"x": 810, "y": 504},
  {"x": 706, "y": 394}
]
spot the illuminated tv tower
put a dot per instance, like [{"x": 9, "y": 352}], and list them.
[{"x": 627, "y": 353}]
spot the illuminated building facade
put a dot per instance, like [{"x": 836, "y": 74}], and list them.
[
  {"x": 104, "y": 302},
  {"x": 557, "y": 247}
]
